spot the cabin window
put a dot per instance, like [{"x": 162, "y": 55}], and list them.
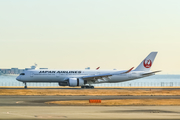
[{"x": 22, "y": 74}]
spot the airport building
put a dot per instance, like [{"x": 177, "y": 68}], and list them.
[{"x": 16, "y": 70}]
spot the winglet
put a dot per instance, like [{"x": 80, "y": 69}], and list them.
[
  {"x": 97, "y": 68},
  {"x": 129, "y": 70}
]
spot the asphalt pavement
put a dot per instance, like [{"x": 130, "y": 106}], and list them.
[{"x": 40, "y": 100}]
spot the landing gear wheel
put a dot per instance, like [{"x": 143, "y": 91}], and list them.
[
  {"x": 87, "y": 86},
  {"x": 25, "y": 85}
]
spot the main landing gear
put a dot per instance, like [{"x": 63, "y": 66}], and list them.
[
  {"x": 87, "y": 87},
  {"x": 25, "y": 85}
]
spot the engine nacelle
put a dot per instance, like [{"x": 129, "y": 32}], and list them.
[
  {"x": 63, "y": 84},
  {"x": 76, "y": 82}
]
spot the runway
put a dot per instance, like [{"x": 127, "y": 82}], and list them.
[
  {"x": 40, "y": 100},
  {"x": 90, "y": 112},
  {"x": 26, "y": 107}
]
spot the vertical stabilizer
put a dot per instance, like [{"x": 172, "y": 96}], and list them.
[{"x": 147, "y": 62}]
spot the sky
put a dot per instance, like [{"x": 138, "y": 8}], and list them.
[{"x": 75, "y": 34}]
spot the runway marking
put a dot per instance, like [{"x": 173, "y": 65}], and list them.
[
  {"x": 48, "y": 116},
  {"x": 19, "y": 101}
]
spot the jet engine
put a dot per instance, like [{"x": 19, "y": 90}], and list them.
[
  {"x": 63, "y": 83},
  {"x": 76, "y": 82}
]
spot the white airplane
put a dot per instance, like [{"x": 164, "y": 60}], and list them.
[{"x": 83, "y": 77}]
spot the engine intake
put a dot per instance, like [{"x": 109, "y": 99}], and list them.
[{"x": 76, "y": 82}]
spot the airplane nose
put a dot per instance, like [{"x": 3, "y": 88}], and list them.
[{"x": 18, "y": 78}]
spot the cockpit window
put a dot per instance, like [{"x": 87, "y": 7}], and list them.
[{"x": 22, "y": 74}]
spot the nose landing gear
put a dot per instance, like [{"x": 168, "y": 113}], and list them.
[{"x": 25, "y": 85}]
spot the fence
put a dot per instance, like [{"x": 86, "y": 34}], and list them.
[{"x": 122, "y": 84}]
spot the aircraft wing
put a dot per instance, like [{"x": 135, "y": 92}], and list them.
[
  {"x": 106, "y": 75},
  {"x": 147, "y": 74},
  {"x": 95, "y": 77}
]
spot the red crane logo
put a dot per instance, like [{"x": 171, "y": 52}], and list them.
[{"x": 147, "y": 63}]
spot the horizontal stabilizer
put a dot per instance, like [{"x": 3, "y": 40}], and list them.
[{"x": 151, "y": 73}]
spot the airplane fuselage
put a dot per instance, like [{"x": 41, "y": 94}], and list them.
[
  {"x": 83, "y": 77},
  {"x": 47, "y": 75}
]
